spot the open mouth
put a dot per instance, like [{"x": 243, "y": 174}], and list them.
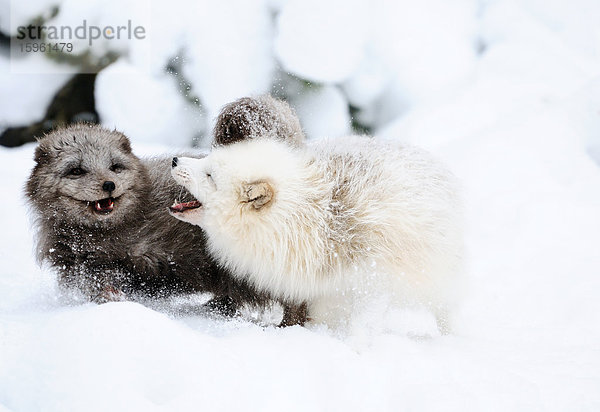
[
  {"x": 104, "y": 206},
  {"x": 182, "y": 207}
]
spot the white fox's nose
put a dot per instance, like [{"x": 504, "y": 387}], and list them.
[{"x": 174, "y": 162}]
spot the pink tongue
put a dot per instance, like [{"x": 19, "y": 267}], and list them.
[
  {"x": 104, "y": 205},
  {"x": 180, "y": 207}
]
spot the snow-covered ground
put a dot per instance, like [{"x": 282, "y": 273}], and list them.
[
  {"x": 528, "y": 336},
  {"x": 518, "y": 122}
]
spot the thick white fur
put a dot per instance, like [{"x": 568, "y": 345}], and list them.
[{"x": 347, "y": 216}]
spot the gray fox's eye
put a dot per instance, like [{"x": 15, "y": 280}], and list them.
[
  {"x": 117, "y": 168},
  {"x": 77, "y": 171}
]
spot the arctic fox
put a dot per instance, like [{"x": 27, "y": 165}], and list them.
[
  {"x": 101, "y": 220},
  {"x": 101, "y": 223},
  {"x": 311, "y": 224}
]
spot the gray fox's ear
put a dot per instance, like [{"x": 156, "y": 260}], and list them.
[
  {"x": 41, "y": 153},
  {"x": 259, "y": 194},
  {"x": 125, "y": 144}
]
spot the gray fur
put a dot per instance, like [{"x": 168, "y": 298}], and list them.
[
  {"x": 137, "y": 249},
  {"x": 263, "y": 116}
]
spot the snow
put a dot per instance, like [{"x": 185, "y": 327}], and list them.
[
  {"x": 146, "y": 107},
  {"x": 307, "y": 34},
  {"x": 367, "y": 83},
  {"x": 229, "y": 52},
  {"x": 528, "y": 335},
  {"x": 519, "y": 123},
  {"x": 106, "y": 14},
  {"x": 223, "y": 49},
  {"x": 29, "y": 95},
  {"x": 323, "y": 112},
  {"x": 429, "y": 45},
  {"x": 18, "y": 13}
]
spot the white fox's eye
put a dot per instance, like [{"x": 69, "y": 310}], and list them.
[{"x": 210, "y": 179}]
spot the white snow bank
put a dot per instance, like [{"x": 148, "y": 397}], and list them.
[
  {"x": 147, "y": 108},
  {"x": 526, "y": 68},
  {"x": 584, "y": 108},
  {"x": 224, "y": 48},
  {"x": 322, "y": 41},
  {"x": 323, "y": 112},
  {"x": 527, "y": 336},
  {"x": 27, "y": 87},
  {"x": 111, "y": 15},
  {"x": 17, "y": 13},
  {"x": 429, "y": 46},
  {"x": 228, "y": 52}
]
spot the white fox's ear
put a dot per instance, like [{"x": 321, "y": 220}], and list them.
[{"x": 257, "y": 193}]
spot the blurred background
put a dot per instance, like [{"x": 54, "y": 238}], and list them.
[{"x": 428, "y": 72}]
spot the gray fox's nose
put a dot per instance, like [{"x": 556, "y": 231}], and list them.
[{"x": 108, "y": 186}]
